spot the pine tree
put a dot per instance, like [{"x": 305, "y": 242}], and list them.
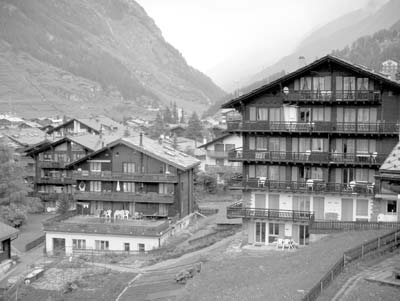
[
  {"x": 13, "y": 192},
  {"x": 175, "y": 115},
  {"x": 158, "y": 127},
  {"x": 194, "y": 128},
  {"x": 182, "y": 120},
  {"x": 167, "y": 116}
]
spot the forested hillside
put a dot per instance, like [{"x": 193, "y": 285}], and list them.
[{"x": 372, "y": 50}]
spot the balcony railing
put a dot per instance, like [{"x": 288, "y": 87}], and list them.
[
  {"x": 51, "y": 164},
  {"x": 314, "y": 127},
  {"x": 338, "y": 96},
  {"x": 217, "y": 154},
  {"x": 107, "y": 196},
  {"x": 312, "y": 157},
  {"x": 55, "y": 180},
  {"x": 114, "y": 176},
  {"x": 270, "y": 214},
  {"x": 310, "y": 186},
  {"x": 223, "y": 168}
]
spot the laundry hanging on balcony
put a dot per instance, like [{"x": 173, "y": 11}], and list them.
[
  {"x": 82, "y": 186},
  {"x": 118, "y": 187}
]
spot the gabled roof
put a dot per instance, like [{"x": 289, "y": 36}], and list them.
[
  {"x": 25, "y": 137},
  {"x": 7, "y": 232},
  {"x": 88, "y": 141},
  {"x": 215, "y": 140},
  {"x": 94, "y": 123},
  {"x": 392, "y": 162},
  {"x": 151, "y": 148},
  {"x": 328, "y": 58}
]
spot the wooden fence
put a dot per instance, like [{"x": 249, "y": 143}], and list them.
[
  {"x": 380, "y": 244},
  {"x": 323, "y": 225}
]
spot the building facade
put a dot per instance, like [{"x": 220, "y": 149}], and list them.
[
  {"x": 7, "y": 234},
  {"x": 313, "y": 142}
]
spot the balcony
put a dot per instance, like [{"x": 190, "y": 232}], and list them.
[
  {"x": 223, "y": 168},
  {"x": 124, "y": 197},
  {"x": 115, "y": 176},
  {"x": 237, "y": 211},
  {"x": 362, "y": 96},
  {"x": 55, "y": 180},
  {"x": 217, "y": 154},
  {"x": 51, "y": 196},
  {"x": 310, "y": 157},
  {"x": 51, "y": 164},
  {"x": 73, "y": 223},
  {"x": 314, "y": 186},
  {"x": 324, "y": 127}
]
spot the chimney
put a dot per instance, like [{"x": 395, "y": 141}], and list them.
[
  {"x": 141, "y": 139},
  {"x": 302, "y": 61}
]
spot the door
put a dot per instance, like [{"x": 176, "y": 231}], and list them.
[
  {"x": 59, "y": 246},
  {"x": 303, "y": 235},
  {"x": 319, "y": 207},
  {"x": 347, "y": 209},
  {"x": 83, "y": 208},
  {"x": 260, "y": 232},
  {"x": 126, "y": 247}
]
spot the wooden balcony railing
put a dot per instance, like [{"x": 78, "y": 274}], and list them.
[
  {"x": 114, "y": 196},
  {"x": 223, "y": 168},
  {"x": 338, "y": 96},
  {"x": 309, "y": 186},
  {"x": 114, "y": 176},
  {"x": 217, "y": 154},
  {"x": 270, "y": 214},
  {"x": 312, "y": 157},
  {"x": 51, "y": 164},
  {"x": 314, "y": 127},
  {"x": 55, "y": 180}
]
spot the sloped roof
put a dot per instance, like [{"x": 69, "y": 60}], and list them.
[
  {"x": 7, "y": 232},
  {"x": 153, "y": 149},
  {"x": 215, "y": 140},
  {"x": 25, "y": 137},
  {"x": 95, "y": 123},
  {"x": 328, "y": 58},
  {"x": 392, "y": 162}
]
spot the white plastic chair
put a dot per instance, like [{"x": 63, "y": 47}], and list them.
[
  {"x": 279, "y": 243},
  {"x": 261, "y": 181}
]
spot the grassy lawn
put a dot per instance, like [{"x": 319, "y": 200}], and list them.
[{"x": 274, "y": 274}]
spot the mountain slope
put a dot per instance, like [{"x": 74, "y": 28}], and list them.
[
  {"x": 111, "y": 43},
  {"x": 336, "y": 35}
]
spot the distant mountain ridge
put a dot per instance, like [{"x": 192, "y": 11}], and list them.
[
  {"x": 335, "y": 35},
  {"x": 92, "y": 55}
]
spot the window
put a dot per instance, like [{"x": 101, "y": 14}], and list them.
[
  {"x": 317, "y": 173},
  {"x": 79, "y": 244},
  {"x": 262, "y": 114},
  {"x": 128, "y": 186},
  {"x": 348, "y": 175},
  {"x": 165, "y": 188},
  {"x": 391, "y": 206},
  {"x": 304, "y": 172},
  {"x": 275, "y": 114},
  {"x": 95, "y": 166},
  {"x": 261, "y": 171},
  {"x": 219, "y": 147},
  {"x": 101, "y": 244},
  {"x": 128, "y": 167},
  {"x": 141, "y": 247},
  {"x": 220, "y": 162},
  {"x": 362, "y": 174},
  {"x": 305, "y": 114},
  {"x": 253, "y": 113},
  {"x": 95, "y": 186},
  {"x": 262, "y": 143},
  {"x": 317, "y": 144},
  {"x": 362, "y": 207},
  {"x": 362, "y": 84},
  {"x": 305, "y": 83},
  {"x": 229, "y": 147},
  {"x": 273, "y": 232},
  {"x": 301, "y": 203},
  {"x": 126, "y": 247}
]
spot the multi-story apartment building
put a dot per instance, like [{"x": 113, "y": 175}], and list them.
[
  {"x": 125, "y": 193},
  {"x": 216, "y": 159},
  {"x": 313, "y": 141}
]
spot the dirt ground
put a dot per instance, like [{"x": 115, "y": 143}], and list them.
[{"x": 272, "y": 274}]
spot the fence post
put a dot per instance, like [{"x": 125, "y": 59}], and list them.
[{"x": 322, "y": 287}]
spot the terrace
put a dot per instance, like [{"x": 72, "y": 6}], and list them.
[
  {"x": 238, "y": 211},
  {"x": 310, "y": 157},
  {"x": 323, "y": 127},
  {"x": 315, "y": 186},
  {"x": 137, "y": 177},
  {"x": 73, "y": 223}
]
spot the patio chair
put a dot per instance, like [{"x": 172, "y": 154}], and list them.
[
  {"x": 373, "y": 157},
  {"x": 287, "y": 243},
  {"x": 261, "y": 181},
  {"x": 279, "y": 243}
]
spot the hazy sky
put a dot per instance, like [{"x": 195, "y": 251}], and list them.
[{"x": 209, "y": 32}]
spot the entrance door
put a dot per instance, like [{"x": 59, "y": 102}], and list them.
[
  {"x": 347, "y": 209},
  {"x": 126, "y": 247},
  {"x": 303, "y": 235},
  {"x": 59, "y": 246},
  {"x": 319, "y": 207},
  {"x": 260, "y": 232},
  {"x": 83, "y": 208}
]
